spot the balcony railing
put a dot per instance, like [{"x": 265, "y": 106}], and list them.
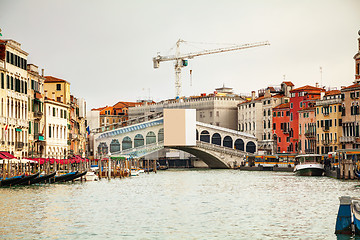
[
  {"x": 326, "y": 141},
  {"x": 19, "y": 145},
  {"x": 326, "y": 128},
  {"x": 326, "y": 113},
  {"x": 309, "y": 151},
  {"x": 38, "y": 114},
  {"x": 347, "y": 139},
  {"x": 310, "y": 134}
]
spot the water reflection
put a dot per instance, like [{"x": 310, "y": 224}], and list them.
[{"x": 196, "y": 204}]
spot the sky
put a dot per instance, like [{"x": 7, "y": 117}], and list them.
[{"x": 105, "y": 48}]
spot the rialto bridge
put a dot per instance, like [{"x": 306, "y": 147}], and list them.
[{"x": 218, "y": 147}]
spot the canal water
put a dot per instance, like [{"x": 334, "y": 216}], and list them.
[{"x": 177, "y": 204}]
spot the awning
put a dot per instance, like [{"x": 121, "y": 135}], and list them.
[
  {"x": 37, "y": 95},
  {"x": 7, "y": 155}
]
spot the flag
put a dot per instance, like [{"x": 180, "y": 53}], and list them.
[{"x": 88, "y": 130}]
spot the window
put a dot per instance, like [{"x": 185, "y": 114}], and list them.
[
  {"x": 291, "y": 105},
  {"x": 54, "y": 112},
  {"x": 58, "y": 87},
  {"x": 291, "y": 116},
  {"x": 49, "y": 131},
  {"x": 274, "y": 126}
]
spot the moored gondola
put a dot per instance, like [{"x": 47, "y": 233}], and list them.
[
  {"x": 11, "y": 181},
  {"x": 65, "y": 177},
  {"x": 40, "y": 179},
  {"x": 26, "y": 180}
]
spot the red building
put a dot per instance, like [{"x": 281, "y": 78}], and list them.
[
  {"x": 300, "y": 98},
  {"x": 281, "y": 127}
]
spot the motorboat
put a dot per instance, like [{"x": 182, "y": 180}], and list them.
[
  {"x": 91, "y": 176},
  {"x": 309, "y": 165}
]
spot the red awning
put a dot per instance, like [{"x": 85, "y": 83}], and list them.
[{"x": 7, "y": 155}]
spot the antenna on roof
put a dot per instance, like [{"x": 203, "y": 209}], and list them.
[{"x": 321, "y": 77}]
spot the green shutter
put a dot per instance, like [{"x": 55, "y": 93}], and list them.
[{"x": 29, "y": 127}]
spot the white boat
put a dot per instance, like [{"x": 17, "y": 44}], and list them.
[
  {"x": 91, "y": 176},
  {"x": 134, "y": 172},
  {"x": 309, "y": 165}
]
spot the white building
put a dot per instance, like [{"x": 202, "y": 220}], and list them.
[
  {"x": 13, "y": 98},
  {"x": 56, "y": 128},
  {"x": 219, "y": 109}
]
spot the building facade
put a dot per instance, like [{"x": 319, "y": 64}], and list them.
[
  {"x": 36, "y": 112},
  {"x": 328, "y": 122},
  {"x": 219, "y": 109},
  {"x": 56, "y": 129},
  {"x": 303, "y": 97},
  {"x": 14, "y": 97},
  {"x": 281, "y": 127},
  {"x": 307, "y": 130}
]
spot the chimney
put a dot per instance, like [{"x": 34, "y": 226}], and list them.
[
  {"x": 42, "y": 72},
  {"x": 252, "y": 95},
  {"x": 267, "y": 93},
  {"x": 322, "y": 94},
  {"x": 317, "y": 85}
]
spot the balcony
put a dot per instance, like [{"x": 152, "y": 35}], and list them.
[
  {"x": 309, "y": 151},
  {"x": 326, "y": 113},
  {"x": 326, "y": 128},
  {"x": 38, "y": 114},
  {"x": 347, "y": 139},
  {"x": 326, "y": 141},
  {"x": 327, "y": 102},
  {"x": 19, "y": 145},
  {"x": 285, "y": 131},
  {"x": 310, "y": 134}
]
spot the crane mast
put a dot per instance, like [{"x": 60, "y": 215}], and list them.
[{"x": 181, "y": 59}]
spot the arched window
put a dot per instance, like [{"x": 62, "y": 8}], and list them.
[
  {"x": 102, "y": 149},
  {"x": 250, "y": 147},
  {"x": 161, "y": 135},
  {"x": 126, "y": 143},
  {"x": 138, "y": 140},
  {"x": 228, "y": 142},
  {"x": 216, "y": 139},
  {"x": 205, "y": 136},
  {"x": 239, "y": 144},
  {"x": 150, "y": 138},
  {"x": 114, "y": 146}
]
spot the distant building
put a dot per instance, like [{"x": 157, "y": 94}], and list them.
[
  {"x": 56, "y": 129},
  {"x": 14, "y": 97},
  {"x": 328, "y": 122},
  {"x": 36, "y": 112},
  {"x": 307, "y": 130},
  {"x": 218, "y": 108},
  {"x": 350, "y": 109},
  {"x": 281, "y": 128},
  {"x": 301, "y": 98},
  {"x": 255, "y": 116}
]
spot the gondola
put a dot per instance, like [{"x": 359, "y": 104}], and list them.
[
  {"x": 11, "y": 181},
  {"x": 65, "y": 177},
  {"x": 40, "y": 179},
  {"x": 25, "y": 180}
]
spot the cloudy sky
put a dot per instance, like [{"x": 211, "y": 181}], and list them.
[{"x": 105, "y": 48}]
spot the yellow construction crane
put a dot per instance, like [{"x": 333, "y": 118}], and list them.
[{"x": 181, "y": 60}]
